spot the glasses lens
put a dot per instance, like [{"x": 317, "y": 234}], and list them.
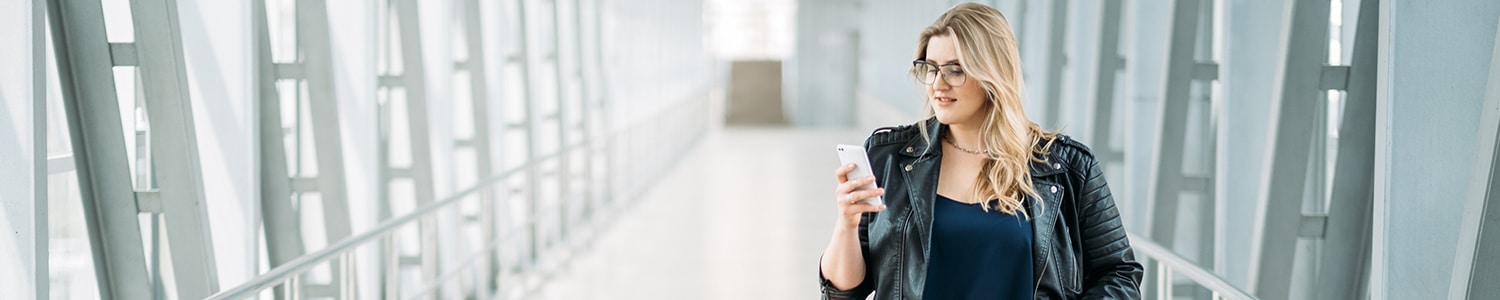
[{"x": 954, "y": 78}]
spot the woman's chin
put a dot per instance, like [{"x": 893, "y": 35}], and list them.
[{"x": 946, "y": 119}]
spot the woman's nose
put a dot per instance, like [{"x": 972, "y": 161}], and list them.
[{"x": 940, "y": 83}]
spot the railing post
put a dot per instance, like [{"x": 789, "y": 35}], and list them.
[
  {"x": 392, "y": 268},
  {"x": 346, "y": 275},
  {"x": 1163, "y": 281},
  {"x": 293, "y": 288}
]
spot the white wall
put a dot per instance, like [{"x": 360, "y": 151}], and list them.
[{"x": 23, "y": 206}]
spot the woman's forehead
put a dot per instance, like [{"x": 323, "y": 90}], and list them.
[{"x": 942, "y": 49}]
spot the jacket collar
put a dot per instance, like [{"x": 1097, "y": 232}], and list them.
[{"x": 921, "y": 146}]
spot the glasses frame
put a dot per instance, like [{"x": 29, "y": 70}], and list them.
[{"x": 947, "y": 78}]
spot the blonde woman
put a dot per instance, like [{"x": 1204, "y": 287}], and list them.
[{"x": 982, "y": 203}]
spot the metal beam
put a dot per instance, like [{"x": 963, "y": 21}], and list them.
[
  {"x": 531, "y": 131},
  {"x": 174, "y": 143},
  {"x": 315, "y": 44},
  {"x": 1167, "y": 180},
  {"x": 585, "y": 111},
  {"x": 480, "y": 142},
  {"x": 88, "y": 92},
  {"x": 1191, "y": 38},
  {"x": 1474, "y": 263},
  {"x": 1286, "y": 177},
  {"x": 563, "y": 160},
  {"x": 386, "y": 83},
  {"x": 317, "y": 51},
  {"x": 1019, "y": 26},
  {"x": 1346, "y": 247},
  {"x": 608, "y": 137},
  {"x": 1057, "y": 60},
  {"x": 413, "y": 81},
  {"x": 282, "y": 224},
  {"x": 40, "y": 164},
  {"x": 1110, "y": 65}
]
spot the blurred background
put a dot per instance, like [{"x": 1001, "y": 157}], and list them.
[{"x": 683, "y": 149}]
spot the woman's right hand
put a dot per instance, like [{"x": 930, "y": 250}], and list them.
[{"x": 850, "y": 201}]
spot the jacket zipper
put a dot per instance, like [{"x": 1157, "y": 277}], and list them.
[
  {"x": 1045, "y": 262},
  {"x": 906, "y": 228}
]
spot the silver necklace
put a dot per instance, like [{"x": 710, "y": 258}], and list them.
[{"x": 949, "y": 139}]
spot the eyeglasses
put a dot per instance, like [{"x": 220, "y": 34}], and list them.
[{"x": 927, "y": 72}]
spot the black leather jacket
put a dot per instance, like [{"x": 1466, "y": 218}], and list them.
[{"x": 1080, "y": 250}]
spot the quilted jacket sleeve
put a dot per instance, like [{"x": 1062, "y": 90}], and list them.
[{"x": 1110, "y": 270}]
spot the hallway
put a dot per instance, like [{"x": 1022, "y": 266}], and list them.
[
  {"x": 684, "y": 149},
  {"x": 744, "y": 216}
]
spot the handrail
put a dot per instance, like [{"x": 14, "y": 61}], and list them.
[
  {"x": 302, "y": 263},
  {"x": 1169, "y": 261},
  {"x": 290, "y": 271}
]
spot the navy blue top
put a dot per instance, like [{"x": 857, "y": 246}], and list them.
[{"x": 977, "y": 254}]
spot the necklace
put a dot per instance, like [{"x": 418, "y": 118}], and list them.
[{"x": 949, "y": 139}]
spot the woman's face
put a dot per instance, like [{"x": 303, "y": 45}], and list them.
[{"x": 955, "y": 97}]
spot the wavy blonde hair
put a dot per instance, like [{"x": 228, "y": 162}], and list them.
[{"x": 988, "y": 54}]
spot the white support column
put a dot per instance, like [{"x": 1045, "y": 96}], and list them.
[
  {"x": 1433, "y": 63},
  {"x": 1057, "y": 60},
  {"x": 1019, "y": 18},
  {"x": 413, "y": 81},
  {"x": 41, "y": 236},
  {"x": 313, "y": 69},
  {"x": 1474, "y": 263},
  {"x": 174, "y": 146},
  {"x": 564, "y": 179},
  {"x": 1248, "y": 77},
  {"x": 317, "y": 52},
  {"x": 1183, "y": 68},
  {"x": 282, "y": 224},
  {"x": 84, "y": 71},
  {"x": 1109, "y": 66},
  {"x": 608, "y": 137},
  {"x": 480, "y": 98},
  {"x": 1346, "y": 249},
  {"x": 586, "y": 100},
  {"x": 1279, "y": 218},
  {"x": 1184, "y": 156},
  {"x": 529, "y": 125}
]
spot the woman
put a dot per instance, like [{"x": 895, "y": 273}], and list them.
[{"x": 983, "y": 204}]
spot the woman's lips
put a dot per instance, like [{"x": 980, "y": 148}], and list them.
[{"x": 944, "y": 101}]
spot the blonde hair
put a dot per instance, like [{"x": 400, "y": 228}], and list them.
[{"x": 988, "y": 53}]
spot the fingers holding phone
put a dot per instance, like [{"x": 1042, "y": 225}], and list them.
[{"x": 857, "y": 191}]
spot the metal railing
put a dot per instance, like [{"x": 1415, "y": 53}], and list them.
[
  {"x": 1167, "y": 262},
  {"x": 670, "y": 132}
]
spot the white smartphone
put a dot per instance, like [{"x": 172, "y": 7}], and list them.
[{"x": 851, "y": 154}]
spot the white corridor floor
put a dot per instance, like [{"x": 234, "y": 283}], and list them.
[{"x": 745, "y": 215}]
